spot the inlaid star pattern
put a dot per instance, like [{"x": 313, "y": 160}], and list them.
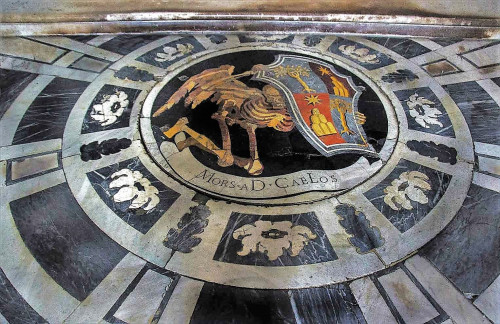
[{"x": 312, "y": 100}]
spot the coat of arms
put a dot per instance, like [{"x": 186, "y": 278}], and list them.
[{"x": 301, "y": 92}]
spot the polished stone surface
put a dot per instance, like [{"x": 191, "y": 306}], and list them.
[{"x": 249, "y": 178}]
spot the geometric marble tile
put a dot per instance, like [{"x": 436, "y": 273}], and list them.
[
  {"x": 360, "y": 54},
  {"x": 141, "y": 215},
  {"x": 406, "y": 197},
  {"x": 11, "y": 84},
  {"x": 172, "y": 52},
  {"x": 145, "y": 298},
  {"x": 429, "y": 116},
  {"x": 28, "y": 167},
  {"x": 440, "y": 68},
  {"x": 93, "y": 124},
  {"x": 407, "y": 48},
  {"x": 124, "y": 44},
  {"x": 64, "y": 241},
  {"x": 13, "y": 307},
  {"x": 481, "y": 112},
  {"x": 47, "y": 115},
  {"x": 467, "y": 251},
  {"x": 88, "y": 63},
  {"x": 247, "y": 237}
]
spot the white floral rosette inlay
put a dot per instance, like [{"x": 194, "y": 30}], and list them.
[
  {"x": 133, "y": 186},
  {"x": 411, "y": 185},
  {"x": 110, "y": 108},
  {"x": 422, "y": 112},
  {"x": 273, "y": 238}
]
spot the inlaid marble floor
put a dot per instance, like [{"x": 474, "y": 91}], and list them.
[{"x": 243, "y": 178}]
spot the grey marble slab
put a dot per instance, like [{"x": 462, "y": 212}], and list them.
[
  {"x": 467, "y": 252},
  {"x": 47, "y": 115},
  {"x": 64, "y": 241}
]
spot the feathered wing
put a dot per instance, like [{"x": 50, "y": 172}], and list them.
[{"x": 202, "y": 86}]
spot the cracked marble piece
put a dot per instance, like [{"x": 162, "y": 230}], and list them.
[
  {"x": 417, "y": 189},
  {"x": 142, "y": 217},
  {"x": 279, "y": 240}
]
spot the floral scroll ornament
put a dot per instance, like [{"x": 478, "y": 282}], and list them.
[
  {"x": 133, "y": 186},
  {"x": 272, "y": 238},
  {"x": 422, "y": 112},
  {"x": 110, "y": 108},
  {"x": 361, "y": 55},
  {"x": 410, "y": 186}
]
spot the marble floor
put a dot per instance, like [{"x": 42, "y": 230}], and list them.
[{"x": 245, "y": 178}]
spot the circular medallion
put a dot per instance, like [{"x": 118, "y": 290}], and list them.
[{"x": 259, "y": 125}]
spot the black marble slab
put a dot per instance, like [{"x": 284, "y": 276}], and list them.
[
  {"x": 124, "y": 44},
  {"x": 407, "y": 48},
  {"x": 64, "y": 241},
  {"x": 46, "y": 117},
  {"x": 316, "y": 250},
  {"x": 427, "y": 93},
  {"x": 139, "y": 218},
  {"x": 497, "y": 81},
  {"x": 404, "y": 219},
  {"x": 152, "y": 58},
  {"x": 467, "y": 251},
  {"x": 13, "y": 307},
  {"x": 12, "y": 83},
  {"x": 481, "y": 112},
  {"x": 328, "y": 304},
  {"x": 134, "y": 74},
  {"x": 224, "y": 304},
  {"x": 383, "y": 60},
  {"x": 91, "y": 125}
]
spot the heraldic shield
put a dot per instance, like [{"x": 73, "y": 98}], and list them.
[{"x": 322, "y": 103}]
